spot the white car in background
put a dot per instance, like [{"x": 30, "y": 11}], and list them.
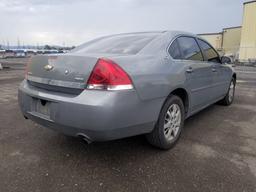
[
  {"x": 20, "y": 53},
  {"x": 2, "y": 52}
]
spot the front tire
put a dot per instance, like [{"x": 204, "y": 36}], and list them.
[
  {"x": 229, "y": 98},
  {"x": 170, "y": 123}
]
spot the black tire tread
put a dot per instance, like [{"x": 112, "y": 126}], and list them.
[
  {"x": 154, "y": 138},
  {"x": 225, "y": 100}
]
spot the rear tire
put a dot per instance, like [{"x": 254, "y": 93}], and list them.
[
  {"x": 229, "y": 98},
  {"x": 170, "y": 123}
]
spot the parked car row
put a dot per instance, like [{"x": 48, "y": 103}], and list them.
[{"x": 27, "y": 52}]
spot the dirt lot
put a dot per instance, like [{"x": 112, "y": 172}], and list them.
[{"x": 217, "y": 151}]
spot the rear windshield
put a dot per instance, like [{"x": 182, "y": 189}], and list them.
[{"x": 121, "y": 44}]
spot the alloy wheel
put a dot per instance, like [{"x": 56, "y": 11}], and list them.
[{"x": 172, "y": 122}]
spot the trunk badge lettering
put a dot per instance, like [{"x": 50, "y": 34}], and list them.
[
  {"x": 79, "y": 78},
  {"x": 48, "y": 67}
]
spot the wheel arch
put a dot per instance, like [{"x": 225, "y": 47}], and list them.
[{"x": 183, "y": 94}]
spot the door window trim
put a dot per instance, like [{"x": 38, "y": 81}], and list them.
[
  {"x": 176, "y": 38},
  {"x": 205, "y": 59},
  {"x": 169, "y": 46}
]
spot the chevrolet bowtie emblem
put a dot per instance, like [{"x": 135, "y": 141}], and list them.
[{"x": 48, "y": 67}]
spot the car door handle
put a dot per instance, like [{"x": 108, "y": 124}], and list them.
[{"x": 190, "y": 70}]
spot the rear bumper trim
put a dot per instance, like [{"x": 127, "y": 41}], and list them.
[{"x": 67, "y": 84}]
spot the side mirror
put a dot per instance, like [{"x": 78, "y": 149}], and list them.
[{"x": 225, "y": 60}]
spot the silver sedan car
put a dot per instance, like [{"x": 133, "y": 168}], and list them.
[{"x": 125, "y": 85}]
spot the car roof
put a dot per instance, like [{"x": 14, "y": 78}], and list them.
[
  {"x": 159, "y": 42},
  {"x": 174, "y": 32}
]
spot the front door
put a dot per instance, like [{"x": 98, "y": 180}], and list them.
[
  {"x": 200, "y": 81},
  {"x": 220, "y": 77}
]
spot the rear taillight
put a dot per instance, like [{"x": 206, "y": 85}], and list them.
[
  {"x": 107, "y": 75},
  {"x": 27, "y": 68}
]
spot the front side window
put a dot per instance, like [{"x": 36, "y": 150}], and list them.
[
  {"x": 174, "y": 50},
  {"x": 190, "y": 49},
  {"x": 210, "y": 54}
]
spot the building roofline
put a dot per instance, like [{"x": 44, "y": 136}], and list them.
[
  {"x": 248, "y": 2},
  {"x": 219, "y": 33},
  {"x": 233, "y": 27},
  {"x": 210, "y": 33}
]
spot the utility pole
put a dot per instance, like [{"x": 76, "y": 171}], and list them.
[
  {"x": 4, "y": 44},
  {"x": 18, "y": 42},
  {"x": 8, "y": 44}
]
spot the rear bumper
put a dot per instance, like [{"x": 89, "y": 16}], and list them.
[{"x": 99, "y": 115}]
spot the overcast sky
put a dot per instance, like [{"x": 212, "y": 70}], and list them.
[{"x": 75, "y": 21}]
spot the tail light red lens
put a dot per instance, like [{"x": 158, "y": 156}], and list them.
[{"x": 107, "y": 75}]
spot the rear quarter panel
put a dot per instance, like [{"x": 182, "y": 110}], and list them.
[{"x": 154, "y": 76}]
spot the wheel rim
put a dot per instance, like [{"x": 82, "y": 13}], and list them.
[
  {"x": 231, "y": 92},
  {"x": 172, "y": 122}
]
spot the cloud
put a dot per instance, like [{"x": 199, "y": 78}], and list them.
[{"x": 75, "y": 21}]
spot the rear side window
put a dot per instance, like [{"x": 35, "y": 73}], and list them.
[
  {"x": 190, "y": 49},
  {"x": 174, "y": 50},
  {"x": 121, "y": 44},
  {"x": 209, "y": 53}
]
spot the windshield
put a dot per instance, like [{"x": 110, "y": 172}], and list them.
[{"x": 121, "y": 44}]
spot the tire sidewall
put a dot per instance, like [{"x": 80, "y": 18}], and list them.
[
  {"x": 227, "y": 96},
  {"x": 172, "y": 100}
]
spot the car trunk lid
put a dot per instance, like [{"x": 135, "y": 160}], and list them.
[{"x": 59, "y": 72}]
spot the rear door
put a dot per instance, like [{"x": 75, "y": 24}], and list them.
[{"x": 198, "y": 73}]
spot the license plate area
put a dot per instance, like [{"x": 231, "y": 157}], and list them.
[{"x": 42, "y": 107}]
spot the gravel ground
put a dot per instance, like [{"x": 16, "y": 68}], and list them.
[{"x": 217, "y": 151}]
